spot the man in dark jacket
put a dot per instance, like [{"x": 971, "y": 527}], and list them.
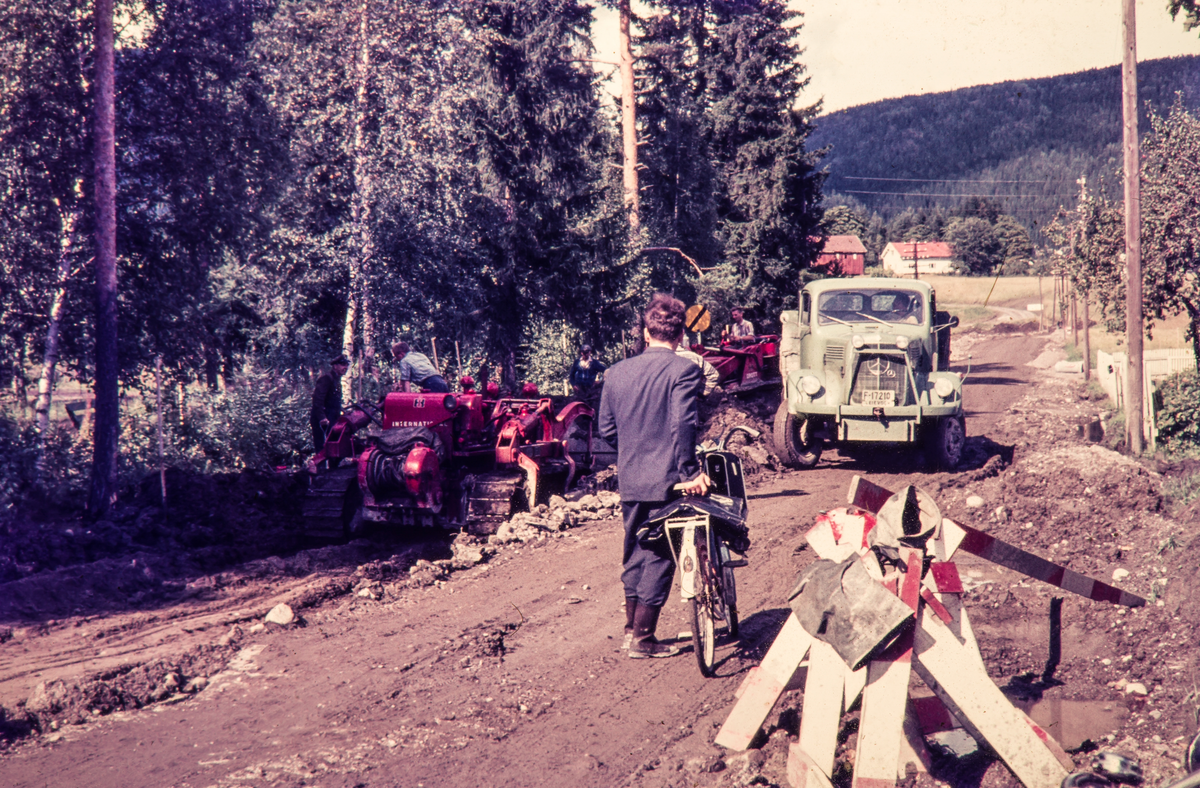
[
  {"x": 648, "y": 412},
  {"x": 327, "y": 400},
  {"x": 585, "y": 375}
]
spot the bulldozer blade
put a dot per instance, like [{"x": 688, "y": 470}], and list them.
[
  {"x": 492, "y": 496},
  {"x": 329, "y": 503}
]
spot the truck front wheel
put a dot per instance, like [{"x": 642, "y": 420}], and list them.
[
  {"x": 794, "y": 441},
  {"x": 946, "y": 442}
]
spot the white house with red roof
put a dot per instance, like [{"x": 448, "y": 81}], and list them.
[
  {"x": 933, "y": 257},
  {"x": 842, "y": 255}
]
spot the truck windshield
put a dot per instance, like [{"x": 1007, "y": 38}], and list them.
[{"x": 858, "y": 306}]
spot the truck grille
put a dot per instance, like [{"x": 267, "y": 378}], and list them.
[
  {"x": 881, "y": 373},
  {"x": 835, "y": 358}
]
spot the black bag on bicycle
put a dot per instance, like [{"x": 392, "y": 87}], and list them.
[{"x": 728, "y": 515}]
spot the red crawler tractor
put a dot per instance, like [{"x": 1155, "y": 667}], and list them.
[{"x": 450, "y": 460}]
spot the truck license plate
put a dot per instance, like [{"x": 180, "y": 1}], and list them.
[{"x": 875, "y": 399}]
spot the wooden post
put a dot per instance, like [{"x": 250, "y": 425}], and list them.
[
  {"x": 628, "y": 121},
  {"x": 433, "y": 342},
  {"x": 1133, "y": 226},
  {"x": 458, "y": 359},
  {"x": 1074, "y": 322},
  {"x": 1087, "y": 349},
  {"x": 1040, "y": 303},
  {"x": 162, "y": 463}
]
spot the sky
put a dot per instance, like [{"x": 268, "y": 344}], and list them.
[{"x": 859, "y": 51}]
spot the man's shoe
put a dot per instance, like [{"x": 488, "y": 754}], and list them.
[{"x": 651, "y": 649}]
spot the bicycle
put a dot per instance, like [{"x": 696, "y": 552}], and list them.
[{"x": 698, "y": 531}]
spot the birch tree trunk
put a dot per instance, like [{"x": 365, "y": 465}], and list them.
[
  {"x": 50, "y": 357},
  {"x": 358, "y": 310}
]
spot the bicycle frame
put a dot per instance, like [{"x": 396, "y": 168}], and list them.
[{"x": 681, "y": 536}]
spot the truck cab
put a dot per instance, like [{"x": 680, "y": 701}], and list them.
[{"x": 865, "y": 360}]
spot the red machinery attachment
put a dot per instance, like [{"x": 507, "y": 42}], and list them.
[{"x": 744, "y": 367}]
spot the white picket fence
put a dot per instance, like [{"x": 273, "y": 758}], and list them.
[{"x": 1112, "y": 370}]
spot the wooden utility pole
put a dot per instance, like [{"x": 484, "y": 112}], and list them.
[
  {"x": 107, "y": 424},
  {"x": 1133, "y": 240},
  {"x": 916, "y": 257},
  {"x": 629, "y": 123},
  {"x": 1087, "y": 348}
]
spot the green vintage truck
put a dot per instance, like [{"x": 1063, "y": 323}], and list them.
[{"x": 865, "y": 361}]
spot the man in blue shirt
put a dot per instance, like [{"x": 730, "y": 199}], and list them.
[
  {"x": 417, "y": 371},
  {"x": 585, "y": 374}
]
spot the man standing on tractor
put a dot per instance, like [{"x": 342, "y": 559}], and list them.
[
  {"x": 741, "y": 331},
  {"x": 585, "y": 375},
  {"x": 648, "y": 412},
  {"x": 416, "y": 370},
  {"x": 327, "y": 400}
]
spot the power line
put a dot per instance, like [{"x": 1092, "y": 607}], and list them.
[
  {"x": 930, "y": 194},
  {"x": 926, "y": 180}
]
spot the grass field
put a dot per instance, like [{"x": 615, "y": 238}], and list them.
[{"x": 966, "y": 296}]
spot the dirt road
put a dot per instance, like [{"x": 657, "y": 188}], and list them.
[{"x": 509, "y": 673}]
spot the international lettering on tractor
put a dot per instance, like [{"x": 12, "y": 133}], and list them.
[
  {"x": 448, "y": 460},
  {"x": 865, "y": 361}
]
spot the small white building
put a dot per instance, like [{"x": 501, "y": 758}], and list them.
[{"x": 933, "y": 257}]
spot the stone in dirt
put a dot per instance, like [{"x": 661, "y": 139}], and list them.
[{"x": 281, "y": 614}]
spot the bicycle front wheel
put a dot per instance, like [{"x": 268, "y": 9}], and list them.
[
  {"x": 704, "y": 629},
  {"x": 704, "y": 635},
  {"x": 731, "y": 612}
]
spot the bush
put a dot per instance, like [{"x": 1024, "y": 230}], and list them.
[
  {"x": 1177, "y": 401},
  {"x": 263, "y": 422}
]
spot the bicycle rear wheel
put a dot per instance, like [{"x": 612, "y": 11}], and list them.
[{"x": 704, "y": 630}]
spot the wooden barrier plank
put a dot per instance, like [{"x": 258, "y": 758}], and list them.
[
  {"x": 822, "y": 712},
  {"x": 913, "y": 749},
  {"x": 881, "y": 727},
  {"x": 957, "y": 677},
  {"x": 870, "y": 496},
  {"x": 761, "y": 690},
  {"x": 802, "y": 772}
]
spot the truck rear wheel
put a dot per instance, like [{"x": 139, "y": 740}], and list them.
[{"x": 794, "y": 440}]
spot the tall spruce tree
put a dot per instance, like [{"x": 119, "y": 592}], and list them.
[
  {"x": 728, "y": 178},
  {"x": 769, "y": 188},
  {"x": 532, "y": 128}
]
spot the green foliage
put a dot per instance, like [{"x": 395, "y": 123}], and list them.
[
  {"x": 262, "y": 422},
  {"x": 1171, "y": 218},
  {"x": 1177, "y": 400},
  {"x": 549, "y": 348},
  {"x": 976, "y": 247},
  {"x": 1181, "y": 491}
]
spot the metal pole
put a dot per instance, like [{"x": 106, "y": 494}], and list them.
[
  {"x": 1133, "y": 242},
  {"x": 458, "y": 359}
]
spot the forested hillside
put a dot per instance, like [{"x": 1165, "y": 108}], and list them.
[{"x": 1029, "y": 141}]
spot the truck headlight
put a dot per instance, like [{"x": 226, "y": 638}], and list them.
[
  {"x": 857, "y": 341},
  {"x": 810, "y": 385},
  {"x": 943, "y": 388},
  {"x": 902, "y": 342}
]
